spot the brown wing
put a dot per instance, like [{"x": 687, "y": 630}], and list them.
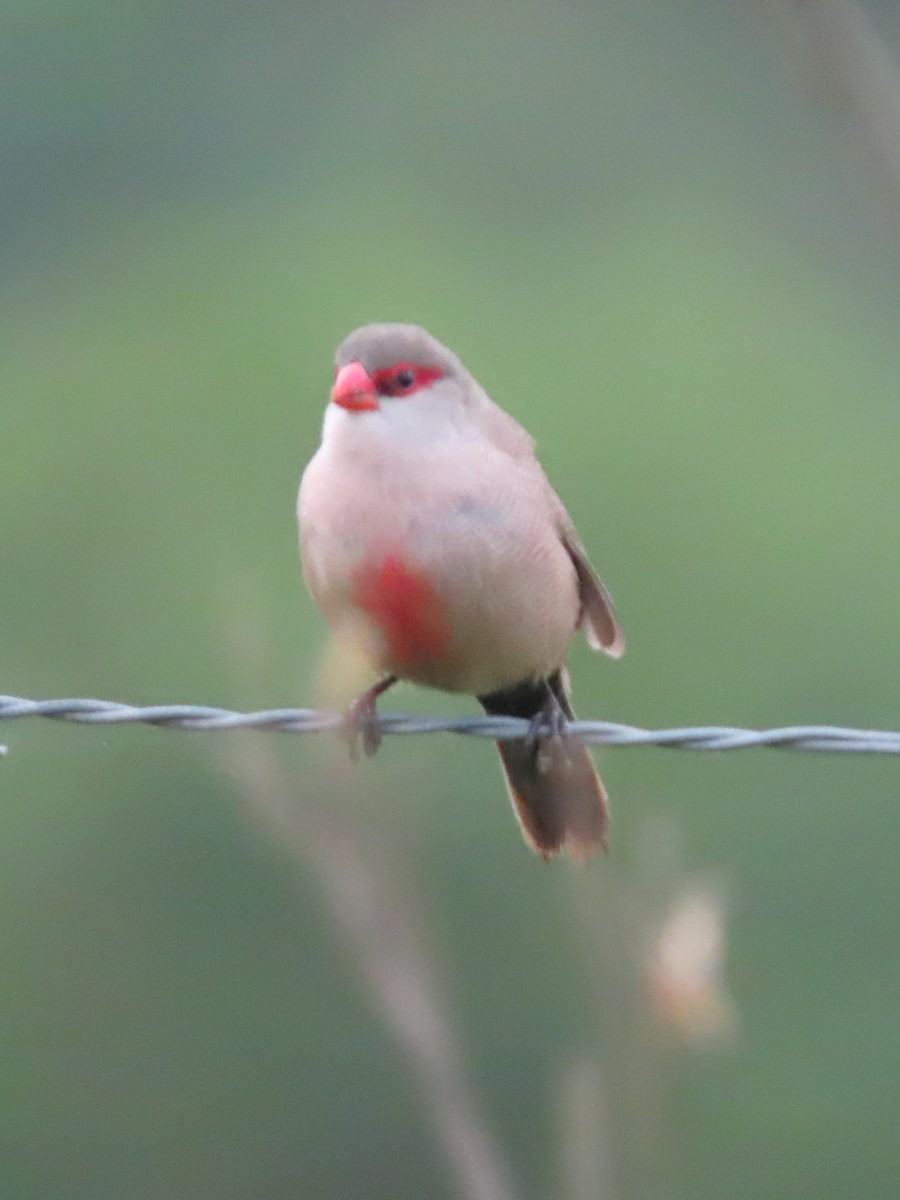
[{"x": 597, "y": 613}]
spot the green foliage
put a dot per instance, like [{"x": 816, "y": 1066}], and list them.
[{"x": 651, "y": 252}]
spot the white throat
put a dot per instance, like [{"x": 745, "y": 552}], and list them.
[{"x": 434, "y": 416}]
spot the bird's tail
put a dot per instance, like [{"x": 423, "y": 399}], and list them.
[{"x": 553, "y": 783}]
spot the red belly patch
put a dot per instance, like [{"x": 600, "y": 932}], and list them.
[{"x": 404, "y": 606}]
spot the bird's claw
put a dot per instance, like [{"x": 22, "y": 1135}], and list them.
[
  {"x": 360, "y": 724},
  {"x": 548, "y": 734},
  {"x": 361, "y": 720}
]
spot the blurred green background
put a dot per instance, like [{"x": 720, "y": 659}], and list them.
[{"x": 650, "y": 241}]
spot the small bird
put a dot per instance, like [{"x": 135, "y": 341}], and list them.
[{"x": 432, "y": 539}]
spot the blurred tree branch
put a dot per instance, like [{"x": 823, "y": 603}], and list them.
[{"x": 844, "y": 64}]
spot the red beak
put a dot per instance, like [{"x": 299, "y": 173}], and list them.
[{"x": 354, "y": 389}]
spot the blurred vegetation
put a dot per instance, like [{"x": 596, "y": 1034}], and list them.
[{"x": 647, "y": 242}]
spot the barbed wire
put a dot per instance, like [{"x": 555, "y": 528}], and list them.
[{"x": 306, "y": 720}]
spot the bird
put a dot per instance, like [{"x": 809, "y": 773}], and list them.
[{"x": 432, "y": 540}]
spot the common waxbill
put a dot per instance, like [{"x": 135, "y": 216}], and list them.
[{"x": 432, "y": 538}]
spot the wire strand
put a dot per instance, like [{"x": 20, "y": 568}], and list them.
[{"x": 306, "y": 720}]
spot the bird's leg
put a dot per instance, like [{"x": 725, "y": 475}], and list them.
[
  {"x": 550, "y": 717},
  {"x": 361, "y": 718}
]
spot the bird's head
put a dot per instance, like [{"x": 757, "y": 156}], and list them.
[{"x": 401, "y": 373}]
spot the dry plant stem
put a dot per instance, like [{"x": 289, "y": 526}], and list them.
[
  {"x": 376, "y": 915},
  {"x": 375, "y": 919},
  {"x": 584, "y": 1130},
  {"x": 608, "y": 922}
]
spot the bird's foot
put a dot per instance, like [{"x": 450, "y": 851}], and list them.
[
  {"x": 548, "y": 733},
  {"x": 361, "y": 720}
]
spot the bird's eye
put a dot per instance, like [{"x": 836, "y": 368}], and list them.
[{"x": 404, "y": 379}]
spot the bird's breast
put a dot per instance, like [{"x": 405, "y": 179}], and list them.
[
  {"x": 445, "y": 570},
  {"x": 406, "y": 608}
]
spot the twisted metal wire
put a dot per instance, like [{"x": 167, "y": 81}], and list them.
[{"x": 307, "y": 720}]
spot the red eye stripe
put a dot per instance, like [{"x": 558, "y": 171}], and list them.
[{"x": 405, "y": 379}]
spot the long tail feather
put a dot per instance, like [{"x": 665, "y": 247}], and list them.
[{"x": 554, "y": 786}]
